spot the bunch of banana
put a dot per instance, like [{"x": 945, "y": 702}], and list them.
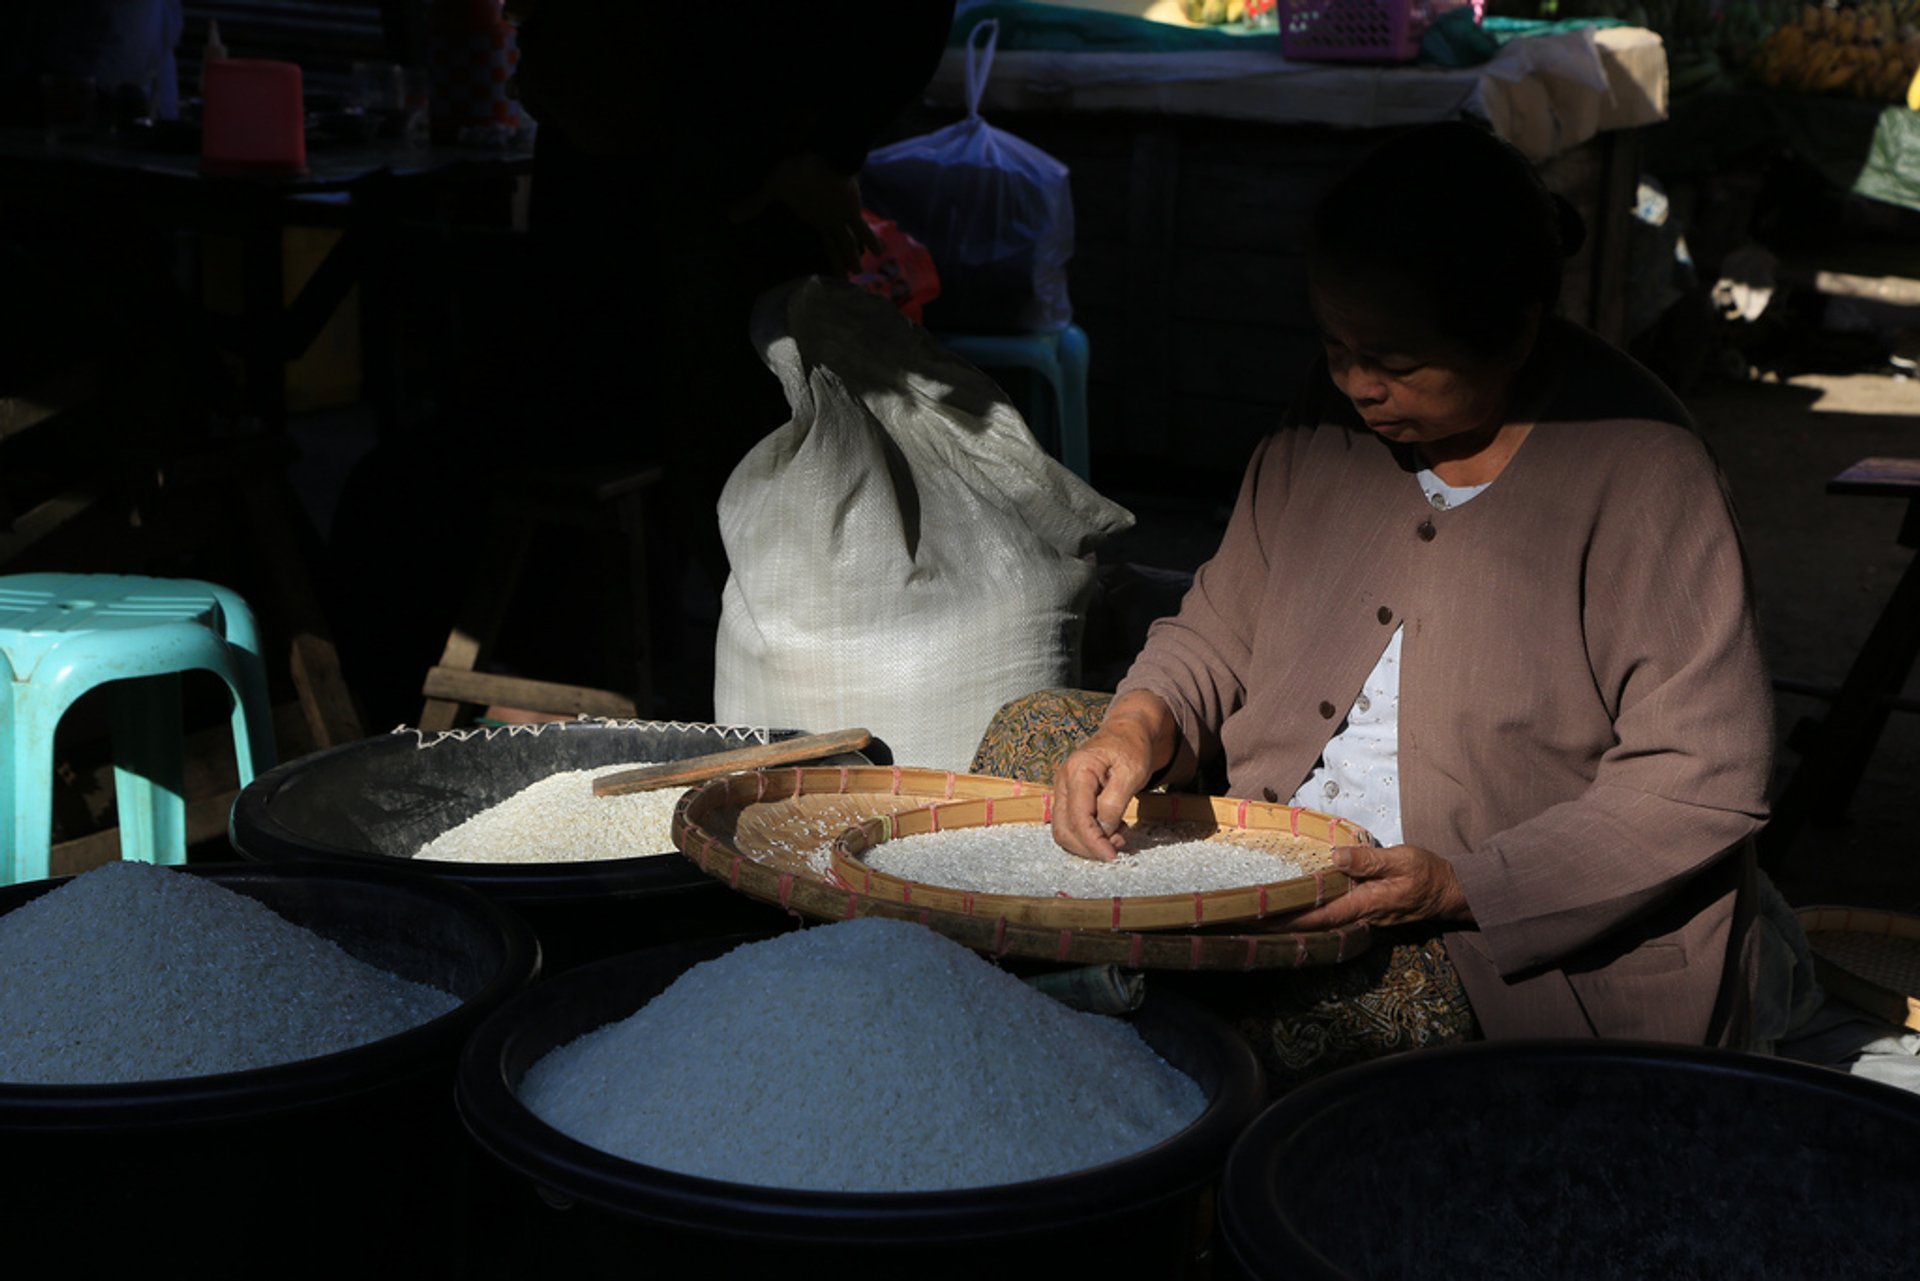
[
  {"x": 1216, "y": 13},
  {"x": 1870, "y": 51}
]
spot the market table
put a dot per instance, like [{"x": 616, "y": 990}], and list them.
[
  {"x": 1545, "y": 94},
  {"x": 1194, "y": 173},
  {"x": 152, "y": 179},
  {"x": 360, "y": 188}
]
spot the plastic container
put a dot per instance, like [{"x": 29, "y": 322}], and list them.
[
  {"x": 558, "y": 1207},
  {"x": 473, "y": 54},
  {"x": 253, "y": 119},
  {"x": 1360, "y": 30},
  {"x": 1578, "y": 1159},
  {"x": 375, "y": 802},
  {"x": 351, "y": 1160}
]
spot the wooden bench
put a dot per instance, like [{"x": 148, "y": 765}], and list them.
[
  {"x": 610, "y": 498},
  {"x": 1839, "y": 745}
]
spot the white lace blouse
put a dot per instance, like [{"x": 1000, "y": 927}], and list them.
[{"x": 1357, "y": 777}]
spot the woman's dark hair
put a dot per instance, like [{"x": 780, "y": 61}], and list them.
[{"x": 1458, "y": 223}]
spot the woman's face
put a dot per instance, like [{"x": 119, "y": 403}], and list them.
[{"x": 1409, "y": 384}]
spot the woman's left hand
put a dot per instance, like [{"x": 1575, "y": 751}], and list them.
[{"x": 1391, "y": 886}]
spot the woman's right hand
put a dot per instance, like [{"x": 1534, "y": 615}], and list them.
[{"x": 1093, "y": 785}]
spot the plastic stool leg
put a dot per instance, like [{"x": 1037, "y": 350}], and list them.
[
  {"x": 1044, "y": 416},
  {"x": 26, "y": 785},
  {"x": 149, "y": 778},
  {"x": 252, "y": 709},
  {"x": 632, "y": 517},
  {"x": 1076, "y": 449},
  {"x": 1060, "y": 417}
]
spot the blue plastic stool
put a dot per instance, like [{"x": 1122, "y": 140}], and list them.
[
  {"x": 1060, "y": 358},
  {"x": 63, "y": 634}
]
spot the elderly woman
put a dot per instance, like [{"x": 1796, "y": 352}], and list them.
[{"x": 1483, "y": 594}]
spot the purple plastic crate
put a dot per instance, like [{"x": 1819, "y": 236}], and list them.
[{"x": 1360, "y": 30}]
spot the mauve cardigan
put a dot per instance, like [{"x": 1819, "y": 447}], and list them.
[{"x": 1585, "y": 720}]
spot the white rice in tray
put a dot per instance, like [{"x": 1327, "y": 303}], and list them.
[
  {"x": 869, "y": 1055},
  {"x": 1021, "y": 858},
  {"x": 560, "y": 820},
  {"x": 136, "y": 973}
]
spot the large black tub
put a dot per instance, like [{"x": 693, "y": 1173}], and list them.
[
  {"x": 375, "y": 802},
  {"x": 558, "y": 1207},
  {"x": 346, "y": 1164},
  {"x": 1580, "y": 1160}
]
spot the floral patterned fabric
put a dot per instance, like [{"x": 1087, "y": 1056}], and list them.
[{"x": 1402, "y": 994}]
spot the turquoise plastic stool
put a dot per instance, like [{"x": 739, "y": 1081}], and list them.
[
  {"x": 1060, "y": 358},
  {"x": 63, "y": 634}
]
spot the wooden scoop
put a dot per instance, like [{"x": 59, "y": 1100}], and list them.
[{"x": 698, "y": 769}]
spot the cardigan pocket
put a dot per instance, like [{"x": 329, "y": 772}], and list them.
[{"x": 1652, "y": 993}]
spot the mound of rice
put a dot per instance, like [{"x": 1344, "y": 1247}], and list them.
[
  {"x": 137, "y": 973},
  {"x": 869, "y": 1055},
  {"x": 1022, "y": 858},
  {"x": 560, "y": 820}
]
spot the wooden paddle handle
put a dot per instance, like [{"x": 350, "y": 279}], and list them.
[{"x": 697, "y": 769}]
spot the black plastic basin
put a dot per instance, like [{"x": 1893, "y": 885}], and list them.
[
  {"x": 375, "y": 802},
  {"x": 353, "y": 1159},
  {"x": 562, "y": 1205},
  {"x": 1578, "y": 1160}
]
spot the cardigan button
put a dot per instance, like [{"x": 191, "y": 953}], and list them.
[
  {"x": 1386, "y": 615},
  {"x": 1326, "y": 711},
  {"x": 1425, "y": 531},
  {"x": 1271, "y": 795}
]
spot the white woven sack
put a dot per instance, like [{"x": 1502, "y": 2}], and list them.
[{"x": 905, "y": 557}]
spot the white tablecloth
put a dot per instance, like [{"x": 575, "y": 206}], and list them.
[{"x": 1545, "y": 94}]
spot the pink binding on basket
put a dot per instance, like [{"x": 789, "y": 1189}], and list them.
[{"x": 1361, "y": 30}]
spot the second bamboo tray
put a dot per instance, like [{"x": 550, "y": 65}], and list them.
[
  {"x": 1868, "y": 957},
  {"x": 1305, "y": 837},
  {"x": 769, "y": 835}
]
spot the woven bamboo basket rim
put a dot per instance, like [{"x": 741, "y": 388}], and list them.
[
  {"x": 1868, "y": 956},
  {"x": 1194, "y": 909},
  {"x": 708, "y": 818}
]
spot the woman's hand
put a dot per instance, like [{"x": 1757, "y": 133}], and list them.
[
  {"x": 1093, "y": 785},
  {"x": 1391, "y": 886}
]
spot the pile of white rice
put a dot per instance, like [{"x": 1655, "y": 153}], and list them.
[
  {"x": 560, "y": 820},
  {"x": 136, "y": 973},
  {"x": 870, "y": 1055},
  {"x": 1022, "y": 858}
]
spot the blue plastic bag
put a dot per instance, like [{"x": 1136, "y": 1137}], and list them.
[{"x": 996, "y": 213}]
